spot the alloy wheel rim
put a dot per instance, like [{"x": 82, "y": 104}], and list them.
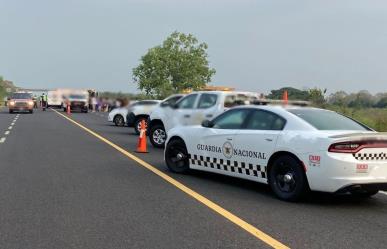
[{"x": 159, "y": 136}]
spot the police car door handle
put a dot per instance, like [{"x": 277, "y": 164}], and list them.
[
  {"x": 229, "y": 139},
  {"x": 269, "y": 139},
  {"x": 209, "y": 116},
  {"x": 187, "y": 116}
]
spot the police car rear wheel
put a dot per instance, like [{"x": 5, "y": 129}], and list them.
[
  {"x": 176, "y": 156},
  {"x": 158, "y": 136},
  {"x": 119, "y": 120},
  {"x": 287, "y": 179}
]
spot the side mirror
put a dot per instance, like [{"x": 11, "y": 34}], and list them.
[
  {"x": 174, "y": 106},
  {"x": 8, "y": 98},
  {"x": 207, "y": 123}
]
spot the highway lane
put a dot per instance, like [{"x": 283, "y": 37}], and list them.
[
  {"x": 62, "y": 188},
  {"x": 322, "y": 221},
  {"x": 7, "y": 121}
]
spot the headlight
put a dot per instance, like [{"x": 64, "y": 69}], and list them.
[
  {"x": 11, "y": 102},
  {"x": 31, "y": 102}
]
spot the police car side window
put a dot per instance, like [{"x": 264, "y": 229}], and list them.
[
  {"x": 207, "y": 100},
  {"x": 233, "y": 119},
  {"x": 187, "y": 102},
  {"x": 264, "y": 120}
]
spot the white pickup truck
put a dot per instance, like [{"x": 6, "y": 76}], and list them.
[{"x": 192, "y": 110}]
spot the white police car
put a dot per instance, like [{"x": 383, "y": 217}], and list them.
[{"x": 293, "y": 149}]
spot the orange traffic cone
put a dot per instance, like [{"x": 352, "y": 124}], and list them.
[
  {"x": 141, "y": 145},
  {"x": 68, "y": 109},
  {"x": 285, "y": 97}
]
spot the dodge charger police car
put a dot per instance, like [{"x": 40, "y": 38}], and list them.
[{"x": 293, "y": 149}]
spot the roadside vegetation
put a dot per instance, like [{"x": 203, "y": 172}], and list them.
[{"x": 362, "y": 106}]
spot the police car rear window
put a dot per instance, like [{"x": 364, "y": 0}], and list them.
[{"x": 327, "y": 120}]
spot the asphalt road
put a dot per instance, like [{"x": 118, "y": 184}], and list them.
[{"x": 61, "y": 187}]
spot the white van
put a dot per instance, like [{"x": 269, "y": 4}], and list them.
[{"x": 54, "y": 98}]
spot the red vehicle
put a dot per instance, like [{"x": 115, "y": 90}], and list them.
[{"x": 21, "y": 102}]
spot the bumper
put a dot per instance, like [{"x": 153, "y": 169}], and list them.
[
  {"x": 338, "y": 172},
  {"x": 130, "y": 119},
  {"x": 366, "y": 187},
  {"x": 27, "y": 108},
  {"x": 79, "y": 108}
]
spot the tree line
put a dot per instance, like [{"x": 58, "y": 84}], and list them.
[{"x": 319, "y": 97}]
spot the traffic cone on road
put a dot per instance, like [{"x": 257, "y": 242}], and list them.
[
  {"x": 68, "y": 109},
  {"x": 285, "y": 97},
  {"x": 141, "y": 145}
]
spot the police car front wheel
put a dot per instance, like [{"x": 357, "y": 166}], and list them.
[
  {"x": 176, "y": 156},
  {"x": 287, "y": 179}
]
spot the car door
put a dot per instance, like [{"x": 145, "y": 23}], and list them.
[
  {"x": 185, "y": 109},
  {"x": 205, "y": 109},
  {"x": 255, "y": 143},
  {"x": 214, "y": 145}
]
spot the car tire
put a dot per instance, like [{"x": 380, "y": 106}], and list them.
[
  {"x": 31, "y": 111},
  {"x": 11, "y": 111},
  {"x": 137, "y": 124},
  {"x": 176, "y": 156},
  {"x": 119, "y": 120},
  {"x": 364, "y": 194},
  {"x": 287, "y": 179},
  {"x": 157, "y": 136},
  {"x": 64, "y": 109}
]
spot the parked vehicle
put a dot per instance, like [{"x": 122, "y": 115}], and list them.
[
  {"x": 193, "y": 109},
  {"x": 140, "y": 111},
  {"x": 78, "y": 101},
  {"x": 293, "y": 149},
  {"x": 54, "y": 98}
]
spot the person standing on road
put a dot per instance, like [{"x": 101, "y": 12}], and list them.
[
  {"x": 93, "y": 103},
  {"x": 44, "y": 101}
]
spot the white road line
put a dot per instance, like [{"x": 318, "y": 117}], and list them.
[
  {"x": 383, "y": 192},
  {"x": 2, "y": 140},
  {"x": 10, "y": 128},
  {"x": 6, "y": 133},
  {"x": 13, "y": 123}
]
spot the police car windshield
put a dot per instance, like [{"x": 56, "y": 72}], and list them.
[
  {"x": 77, "y": 96},
  {"x": 21, "y": 96},
  {"x": 327, "y": 120}
]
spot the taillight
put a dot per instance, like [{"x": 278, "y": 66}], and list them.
[{"x": 355, "y": 146}]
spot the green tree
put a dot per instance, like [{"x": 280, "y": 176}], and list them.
[
  {"x": 2, "y": 89},
  {"x": 362, "y": 99},
  {"x": 293, "y": 94},
  {"x": 180, "y": 63},
  {"x": 338, "y": 98},
  {"x": 382, "y": 103},
  {"x": 316, "y": 95}
]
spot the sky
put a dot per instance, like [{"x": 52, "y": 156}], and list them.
[{"x": 254, "y": 45}]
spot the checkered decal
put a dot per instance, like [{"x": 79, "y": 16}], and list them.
[
  {"x": 229, "y": 165},
  {"x": 370, "y": 156}
]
